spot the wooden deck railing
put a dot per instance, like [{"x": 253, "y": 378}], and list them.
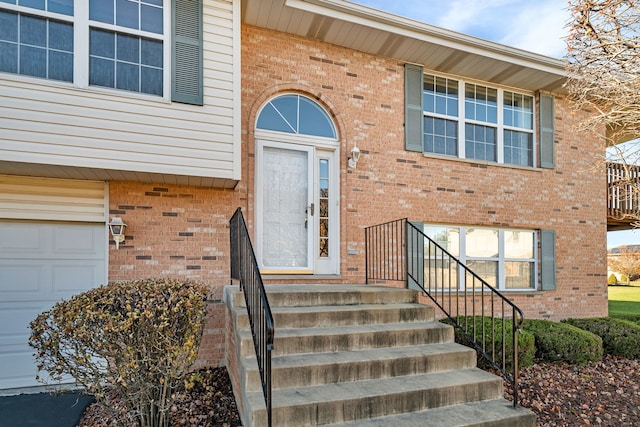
[{"x": 623, "y": 192}]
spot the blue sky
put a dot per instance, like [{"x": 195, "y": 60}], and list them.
[{"x": 534, "y": 25}]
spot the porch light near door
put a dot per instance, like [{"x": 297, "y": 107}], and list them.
[
  {"x": 355, "y": 156},
  {"x": 117, "y": 230}
]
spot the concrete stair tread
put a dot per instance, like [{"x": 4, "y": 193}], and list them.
[
  {"x": 319, "y": 315},
  {"x": 344, "y": 392},
  {"x": 342, "y": 308},
  {"x": 330, "y": 288},
  {"x": 352, "y": 337},
  {"x": 288, "y": 295},
  {"x": 489, "y": 413},
  {"x": 357, "y": 365},
  {"x": 352, "y": 307},
  {"x": 351, "y": 329},
  {"x": 365, "y": 355}
]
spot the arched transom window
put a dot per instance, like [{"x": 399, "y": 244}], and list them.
[{"x": 296, "y": 114}]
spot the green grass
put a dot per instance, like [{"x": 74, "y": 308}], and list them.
[{"x": 624, "y": 300}]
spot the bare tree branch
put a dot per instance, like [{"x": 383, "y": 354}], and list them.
[{"x": 603, "y": 67}]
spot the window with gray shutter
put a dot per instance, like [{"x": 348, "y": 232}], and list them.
[
  {"x": 546, "y": 131},
  {"x": 186, "y": 52},
  {"x": 548, "y": 260},
  {"x": 414, "y": 112}
]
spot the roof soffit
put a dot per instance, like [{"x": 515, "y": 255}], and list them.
[{"x": 368, "y": 30}]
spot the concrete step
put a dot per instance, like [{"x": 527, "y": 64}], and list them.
[
  {"x": 490, "y": 413},
  {"x": 358, "y": 355},
  {"x": 345, "y": 366},
  {"x": 350, "y": 337},
  {"x": 320, "y": 294},
  {"x": 360, "y": 314},
  {"x": 357, "y": 400}
]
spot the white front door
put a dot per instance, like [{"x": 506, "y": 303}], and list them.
[{"x": 296, "y": 209}]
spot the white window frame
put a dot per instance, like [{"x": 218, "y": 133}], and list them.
[
  {"x": 501, "y": 259},
  {"x": 499, "y": 126},
  {"x": 82, "y": 25}
]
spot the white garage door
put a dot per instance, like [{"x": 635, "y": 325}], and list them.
[
  {"x": 40, "y": 264},
  {"x": 52, "y": 246}
]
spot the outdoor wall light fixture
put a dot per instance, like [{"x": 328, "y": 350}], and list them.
[
  {"x": 355, "y": 156},
  {"x": 117, "y": 230}
]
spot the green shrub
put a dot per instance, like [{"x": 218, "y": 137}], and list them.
[
  {"x": 561, "y": 342},
  {"x": 634, "y": 318},
  {"x": 619, "y": 337},
  {"x": 612, "y": 280},
  {"x": 136, "y": 339},
  {"x": 493, "y": 341}
]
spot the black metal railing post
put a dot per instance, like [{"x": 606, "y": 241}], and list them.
[
  {"x": 244, "y": 269},
  {"x": 422, "y": 262}
]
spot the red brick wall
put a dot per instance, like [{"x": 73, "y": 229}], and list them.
[
  {"x": 180, "y": 232},
  {"x": 365, "y": 96}
]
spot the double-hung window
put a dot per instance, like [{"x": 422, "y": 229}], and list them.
[
  {"x": 117, "y": 44},
  {"x": 469, "y": 120},
  {"x": 506, "y": 259},
  {"x": 481, "y": 122},
  {"x": 36, "y": 38},
  {"x": 126, "y": 42},
  {"x": 440, "y": 99}
]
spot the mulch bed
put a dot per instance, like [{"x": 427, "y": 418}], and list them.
[
  {"x": 605, "y": 393},
  {"x": 209, "y": 403}
]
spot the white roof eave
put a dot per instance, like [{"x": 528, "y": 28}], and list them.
[{"x": 501, "y": 64}]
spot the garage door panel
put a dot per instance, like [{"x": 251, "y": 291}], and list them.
[
  {"x": 75, "y": 240},
  {"x": 20, "y": 370},
  {"x": 49, "y": 280},
  {"x": 24, "y": 240},
  {"x": 71, "y": 279},
  {"x": 18, "y": 238},
  {"x": 15, "y": 319},
  {"x": 21, "y": 280},
  {"x": 17, "y": 361}
]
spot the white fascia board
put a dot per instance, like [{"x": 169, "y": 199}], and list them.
[{"x": 409, "y": 28}]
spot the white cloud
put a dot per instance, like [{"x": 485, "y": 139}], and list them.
[
  {"x": 540, "y": 28},
  {"x": 465, "y": 15},
  {"x": 537, "y": 26}
]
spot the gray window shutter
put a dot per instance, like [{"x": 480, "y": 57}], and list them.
[
  {"x": 186, "y": 51},
  {"x": 413, "y": 109},
  {"x": 548, "y": 260},
  {"x": 546, "y": 131},
  {"x": 415, "y": 253}
]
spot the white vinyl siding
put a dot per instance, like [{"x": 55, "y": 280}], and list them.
[
  {"x": 51, "y": 199},
  {"x": 53, "y": 123}
]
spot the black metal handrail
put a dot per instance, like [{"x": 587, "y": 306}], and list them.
[
  {"x": 399, "y": 251},
  {"x": 244, "y": 269}
]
